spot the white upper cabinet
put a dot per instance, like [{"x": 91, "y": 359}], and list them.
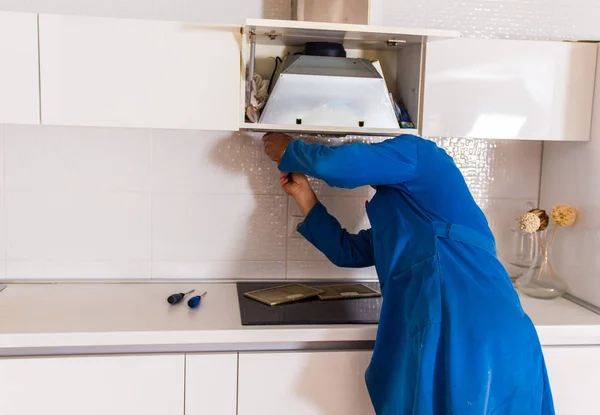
[
  {"x": 153, "y": 74},
  {"x": 134, "y": 73},
  {"x": 19, "y": 69},
  {"x": 509, "y": 89}
]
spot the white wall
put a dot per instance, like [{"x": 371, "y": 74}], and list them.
[
  {"x": 233, "y": 12},
  {"x": 130, "y": 204},
  {"x": 520, "y": 19},
  {"x": 571, "y": 174}
]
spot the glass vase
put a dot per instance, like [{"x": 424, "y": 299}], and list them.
[
  {"x": 541, "y": 279},
  {"x": 524, "y": 249}
]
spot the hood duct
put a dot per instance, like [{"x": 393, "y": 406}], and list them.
[{"x": 331, "y": 11}]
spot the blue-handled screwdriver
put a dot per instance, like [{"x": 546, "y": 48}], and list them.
[
  {"x": 175, "y": 298},
  {"x": 194, "y": 302}
]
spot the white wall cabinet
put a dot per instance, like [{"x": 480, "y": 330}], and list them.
[
  {"x": 19, "y": 71},
  {"x": 144, "y": 385},
  {"x": 574, "y": 373},
  {"x": 211, "y": 384},
  {"x": 153, "y": 74},
  {"x": 303, "y": 383},
  {"x": 135, "y": 73},
  {"x": 509, "y": 89}
]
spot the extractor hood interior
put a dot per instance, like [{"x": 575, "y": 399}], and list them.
[{"x": 329, "y": 91}]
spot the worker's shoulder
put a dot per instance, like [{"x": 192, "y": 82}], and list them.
[
  {"x": 407, "y": 138},
  {"x": 407, "y": 141}
]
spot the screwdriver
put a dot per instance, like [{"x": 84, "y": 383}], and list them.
[
  {"x": 194, "y": 302},
  {"x": 175, "y": 298}
]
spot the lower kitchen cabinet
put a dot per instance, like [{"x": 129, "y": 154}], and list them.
[
  {"x": 303, "y": 383},
  {"x": 211, "y": 384},
  {"x": 102, "y": 385},
  {"x": 574, "y": 373}
]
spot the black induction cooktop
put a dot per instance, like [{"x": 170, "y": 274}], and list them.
[{"x": 311, "y": 311}]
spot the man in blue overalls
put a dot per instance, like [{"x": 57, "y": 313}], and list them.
[{"x": 452, "y": 337}]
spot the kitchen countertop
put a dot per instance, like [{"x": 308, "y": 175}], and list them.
[{"x": 38, "y": 319}]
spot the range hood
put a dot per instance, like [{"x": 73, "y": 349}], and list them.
[
  {"x": 329, "y": 91},
  {"x": 316, "y": 89}
]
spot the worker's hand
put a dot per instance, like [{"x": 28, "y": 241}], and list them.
[
  {"x": 275, "y": 145},
  {"x": 294, "y": 183},
  {"x": 297, "y": 186}
]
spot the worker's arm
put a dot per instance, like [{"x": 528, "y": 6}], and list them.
[
  {"x": 324, "y": 231},
  {"x": 339, "y": 246},
  {"x": 352, "y": 165}
]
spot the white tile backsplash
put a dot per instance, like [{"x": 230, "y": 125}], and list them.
[
  {"x": 76, "y": 158},
  {"x": 90, "y": 203},
  {"x": 497, "y": 169},
  {"x": 527, "y": 19},
  {"x": 2, "y": 209},
  {"x": 2, "y": 235},
  {"x": 197, "y": 228},
  {"x": 349, "y": 211},
  {"x": 580, "y": 21},
  {"x": 1, "y": 156},
  {"x": 219, "y": 270},
  {"x": 78, "y": 227},
  {"x": 211, "y": 163},
  {"x": 502, "y": 215},
  {"x": 325, "y": 270},
  {"x": 515, "y": 170},
  {"x": 78, "y": 270}
]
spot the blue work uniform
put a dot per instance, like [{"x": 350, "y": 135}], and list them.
[{"x": 452, "y": 336}]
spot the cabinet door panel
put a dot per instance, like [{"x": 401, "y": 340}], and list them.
[
  {"x": 19, "y": 70},
  {"x": 135, "y": 73},
  {"x": 132, "y": 385},
  {"x": 211, "y": 384},
  {"x": 509, "y": 89},
  {"x": 304, "y": 383},
  {"x": 574, "y": 377}
]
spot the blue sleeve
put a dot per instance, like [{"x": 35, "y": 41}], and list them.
[
  {"x": 353, "y": 165},
  {"x": 342, "y": 248}
]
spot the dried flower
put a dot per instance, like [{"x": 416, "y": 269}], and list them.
[
  {"x": 544, "y": 219},
  {"x": 529, "y": 223},
  {"x": 563, "y": 215}
]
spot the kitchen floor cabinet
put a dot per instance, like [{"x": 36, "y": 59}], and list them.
[
  {"x": 574, "y": 373},
  {"x": 303, "y": 383},
  {"x": 136, "y": 73},
  {"x": 211, "y": 384},
  {"x": 144, "y": 385},
  {"x": 509, "y": 89},
  {"x": 19, "y": 71}
]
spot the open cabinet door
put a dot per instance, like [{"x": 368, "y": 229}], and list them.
[
  {"x": 135, "y": 73},
  {"x": 326, "y": 96},
  {"x": 508, "y": 89}
]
